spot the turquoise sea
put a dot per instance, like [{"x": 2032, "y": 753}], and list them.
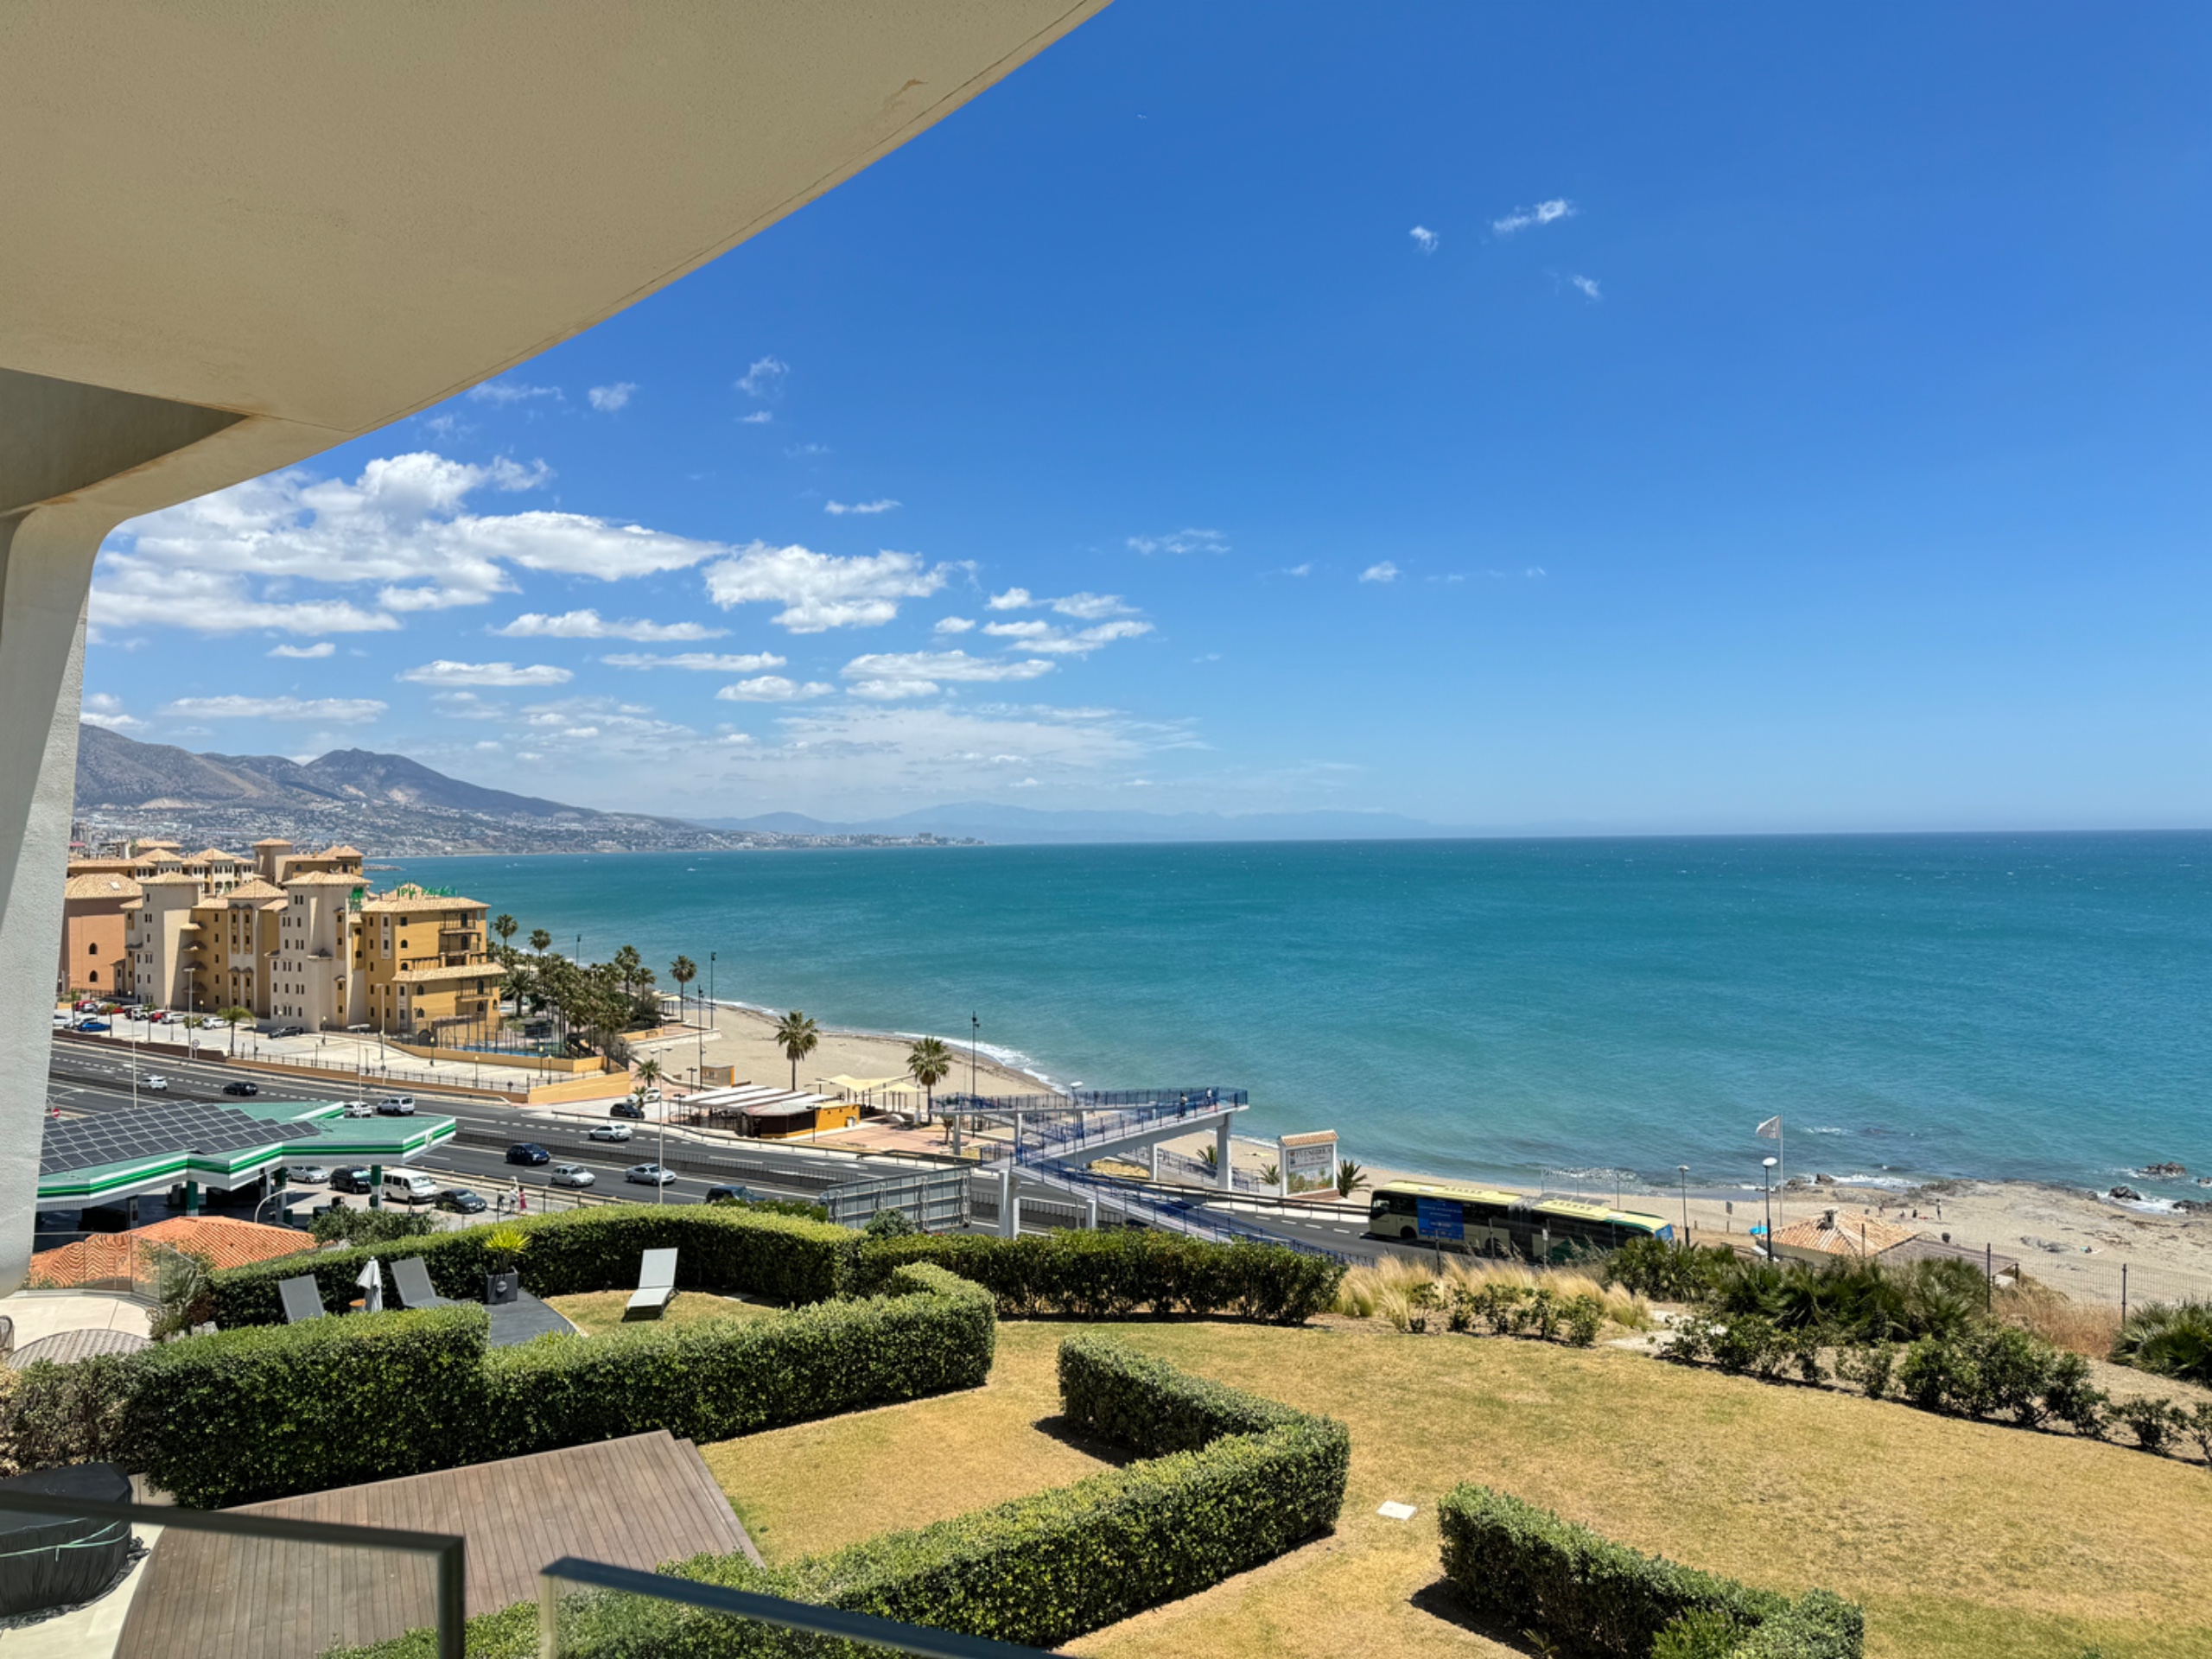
[{"x": 2024, "y": 1006}]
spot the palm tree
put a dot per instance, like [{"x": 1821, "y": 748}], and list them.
[
  {"x": 1349, "y": 1178},
  {"x": 682, "y": 971},
  {"x": 648, "y": 1075},
  {"x": 540, "y": 940},
  {"x": 234, "y": 1017},
  {"x": 928, "y": 1062},
  {"x": 796, "y": 1036},
  {"x": 505, "y": 926}
]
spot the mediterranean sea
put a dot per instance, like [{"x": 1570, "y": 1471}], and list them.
[{"x": 1563, "y": 1013}]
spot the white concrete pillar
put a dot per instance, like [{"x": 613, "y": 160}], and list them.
[
  {"x": 44, "y": 577},
  {"x": 1152, "y": 1157},
  {"x": 1225, "y": 1176},
  {"x": 1007, "y": 1224},
  {"x": 1091, "y": 1212}
]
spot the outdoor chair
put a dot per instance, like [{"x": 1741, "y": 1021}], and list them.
[
  {"x": 303, "y": 1298},
  {"x": 655, "y": 1284},
  {"x": 414, "y": 1281},
  {"x": 6, "y": 1335}
]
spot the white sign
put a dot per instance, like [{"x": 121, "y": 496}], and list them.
[{"x": 1308, "y": 1160}]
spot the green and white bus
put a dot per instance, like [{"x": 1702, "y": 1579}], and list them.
[{"x": 1483, "y": 1221}]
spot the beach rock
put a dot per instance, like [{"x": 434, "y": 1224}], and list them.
[
  {"x": 2162, "y": 1172},
  {"x": 1823, "y": 1180},
  {"x": 2194, "y": 1206},
  {"x": 2204, "y": 1180},
  {"x": 2125, "y": 1195}
]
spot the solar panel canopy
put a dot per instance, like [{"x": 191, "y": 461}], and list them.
[{"x": 151, "y": 1132}]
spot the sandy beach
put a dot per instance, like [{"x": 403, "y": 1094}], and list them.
[{"x": 745, "y": 1038}]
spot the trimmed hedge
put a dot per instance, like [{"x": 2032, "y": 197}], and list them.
[
  {"x": 264, "y": 1412},
  {"x": 1112, "y": 1275},
  {"x": 1258, "y": 1479},
  {"x": 1597, "y": 1599},
  {"x": 785, "y": 1258}
]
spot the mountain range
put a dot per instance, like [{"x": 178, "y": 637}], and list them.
[{"x": 991, "y": 822}]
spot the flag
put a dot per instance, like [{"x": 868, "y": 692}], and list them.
[{"x": 1771, "y": 1129}]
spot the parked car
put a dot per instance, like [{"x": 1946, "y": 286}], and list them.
[
  {"x": 528, "y": 1152},
  {"x": 649, "y": 1095},
  {"x": 287, "y": 1031},
  {"x": 308, "y": 1174},
  {"x": 649, "y": 1175},
  {"x": 611, "y": 1132},
  {"x": 91, "y": 1025},
  {"x": 359, "y": 1108},
  {"x": 569, "y": 1175},
  {"x": 157, "y": 1082},
  {"x": 396, "y": 1106},
  {"x": 729, "y": 1195},
  {"x": 461, "y": 1201},
  {"x": 355, "y": 1179},
  {"x": 241, "y": 1088},
  {"x": 626, "y": 1109},
  {"x": 407, "y": 1186}
]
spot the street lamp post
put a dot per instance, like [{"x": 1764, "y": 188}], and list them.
[
  {"x": 1683, "y": 1171},
  {"x": 1769, "y": 1163}
]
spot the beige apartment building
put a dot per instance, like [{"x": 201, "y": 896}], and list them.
[{"x": 296, "y": 937}]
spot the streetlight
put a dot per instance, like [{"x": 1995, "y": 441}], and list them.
[
  {"x": 1769, "y": 1163},
  {"x": 1683, "y": 1171}
]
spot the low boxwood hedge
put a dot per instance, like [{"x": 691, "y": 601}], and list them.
[
  {"x": 1111, "y": 1274},
  {"x": 263, "y": 1412},
  {"x": 1597, "y": 1599},
  {"x": 1239, "y": 1481},
  {"x": 786, "y": 1259}
]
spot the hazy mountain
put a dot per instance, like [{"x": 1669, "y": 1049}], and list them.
[{"x": 988, "y": 821}]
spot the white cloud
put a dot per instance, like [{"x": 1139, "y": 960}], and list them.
[
  {"x": 1544, "y": 213},
  {"x": 758, "y": 417},
  {"x": 445, "y": 672},
  {"x": 608, "y": 399},
  {"x": 703, "y": 662},
  {"x": 345, "y": 711},
  {"x": 1020, "y": 630},
  {"x": 1182, "y": 541},
  {"x": 808, "y": 449},
  {"x": 320, "y": 648},
  {"x": 1015, "y": 599},
  {"x": 1385, "y": 571},
  {"x": 104, "y": 708},
  {"x": 510, "y": 392},
  {"x": 954, "y": 625},
  {"x": 1587, "y": 286},
  {"x": 1306, "y": 569},
  {"x": 842, "y": 507},
  {"x": 764, "y": 379},
  {"x": 403, "y": 524},
  {"x": 819, "y": 591},
  {"x": 1424, "y": 239},
  {"x": 886, "y": 676},
  {"x": 771, "y": 688},
  {"x": 1090, "y": 607},
  {"x": 588, "y": 625}
]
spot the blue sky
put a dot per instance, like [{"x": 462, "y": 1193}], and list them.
[{"x": 1542, "y": 418}]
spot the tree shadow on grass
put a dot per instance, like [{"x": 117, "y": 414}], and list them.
[
  {"x": 1440, "y": 1601},
  {"x": 1059, "y": 1429}
]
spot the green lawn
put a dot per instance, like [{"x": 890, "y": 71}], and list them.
[
  {"x": 602, "y": 1310},
  {"x": 1966, "y": 1541}
]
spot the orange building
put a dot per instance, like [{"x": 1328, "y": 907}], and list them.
[{"x": 94, "y": 960}]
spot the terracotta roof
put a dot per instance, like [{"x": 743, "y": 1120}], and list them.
[
  {"x": 340, "y": 852},
  {"x": 118, "y": 888},
  {"x": 228, "y": 1243},
  {"x": 272, "y": 841},
  {"x": 385, "y": 901},
  {"x": 173, "y": 879},
  {"x": 1836, "y": 1234},
  {"x": 255, "y": 887},
  {"x": 323, "y": 878},
  {"x": 215, "y": 855}
]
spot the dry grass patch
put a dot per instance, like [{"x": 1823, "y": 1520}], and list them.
[
  {"x": 1386, "y": 1291},
  {"x": 597, "y": 1311},
  {"x": 2084, "y": 1327},
  {"x": 1966, "y": 1541}
]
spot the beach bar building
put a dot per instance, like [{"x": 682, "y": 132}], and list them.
[{"x": 761, "y": 1113}]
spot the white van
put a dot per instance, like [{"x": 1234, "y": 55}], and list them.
[{"x": 407, "y": 1186}]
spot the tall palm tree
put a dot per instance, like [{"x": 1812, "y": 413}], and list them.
[
  {"x": 797, "y": 1035},
  {"x": 505, "y": 926},
  {"x": 928, "y": 1062},
  {"x": 234, "y": 1017},
  {"x": 682, "y": 971},
  {"x": 540, "y": 940}
]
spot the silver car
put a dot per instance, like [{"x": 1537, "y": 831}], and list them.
[
  {"x": 610, "y": 1132},
  {"x": 569, "y": 1175},
  {"x": 649, "y": 1175}
]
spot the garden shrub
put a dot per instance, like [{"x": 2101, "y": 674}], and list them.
[
  {"x": 2170, "y": 1338},
  {"x": 783, "y": 1258},
  {"x": 1226, "y": 1481},
  {"x": 1669, "y": 1271},
  {"x": 269, "y": 1411},
  {"x": 1869, "y": 1367},
  {"x": 2152, "y": 1422},
  {"x": 51, "y": 1414},
  {"x": 346, "y": 1225},
  {"x": 1114, "y": 1274},
  {"x": 1593, "y": 1598}
]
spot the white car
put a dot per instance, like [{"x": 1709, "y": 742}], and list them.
[
  {"x": 569, "y": 1175},
  {"x": 158, "y": 1084},
  {"x": 610, "y": 1132},
  {"x": 359, "y": 1108},
  {"x": 649, "y": 1175}
]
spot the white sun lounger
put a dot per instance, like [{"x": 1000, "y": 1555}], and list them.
[
  {"x": 656, "y": 1283},
  {"x": 303, "y": 1298}
]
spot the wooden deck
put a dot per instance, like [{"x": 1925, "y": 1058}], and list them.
[{"x": 636, "y": 1503}]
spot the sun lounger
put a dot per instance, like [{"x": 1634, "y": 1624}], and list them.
[
  {"x": 414, "y": 1281},
  {"x": 303, "y": 1298},
  {"x": 656, "y": 1283}
]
